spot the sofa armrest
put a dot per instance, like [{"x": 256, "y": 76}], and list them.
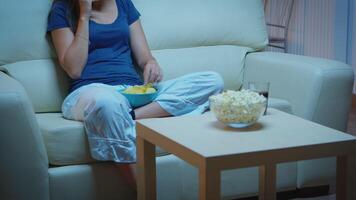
[
  {"x": 24, "y": 164},
  {"x": 318, "y": 89}
]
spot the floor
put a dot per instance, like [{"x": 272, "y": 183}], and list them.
[{"x": 351, "y": 128}]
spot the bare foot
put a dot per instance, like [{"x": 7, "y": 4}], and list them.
[{"x": 152, "y": 110}]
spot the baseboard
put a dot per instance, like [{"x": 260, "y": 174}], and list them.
[
  {"x": 298, "y": 193},
  {"x": 313, "y": 191}
]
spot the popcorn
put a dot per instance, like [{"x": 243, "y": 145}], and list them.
[{"x": 243, "y": 106}]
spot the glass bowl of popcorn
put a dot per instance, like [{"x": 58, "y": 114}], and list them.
[{"x": 238, "y": 109}]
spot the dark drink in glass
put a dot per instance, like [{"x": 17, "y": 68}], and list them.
[
  {"x": 265, "y": 94},
  {"x": 261, "y": 88}
]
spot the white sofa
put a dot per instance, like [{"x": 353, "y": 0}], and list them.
[{"x": 45, "y": 157}]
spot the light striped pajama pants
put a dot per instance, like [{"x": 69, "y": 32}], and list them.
[{"x": 106, "y": 113}]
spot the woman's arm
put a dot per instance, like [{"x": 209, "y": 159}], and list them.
[
  {"x": 72, "y": 50},
  {"x": 151, "y": 69}
]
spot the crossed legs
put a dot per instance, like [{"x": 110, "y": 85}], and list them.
[{"x": 109, "y": 125}]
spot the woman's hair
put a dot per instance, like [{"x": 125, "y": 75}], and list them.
[{"x": 72, "y": 13}]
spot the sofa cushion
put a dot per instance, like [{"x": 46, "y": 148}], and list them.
[
  {"x": 66, "y": 141},
  {"x": 227, "y": 60},
  {"x": 171, "y": 24},
  {"x": 47, "y": 77},
  {"x": 280, "y": 104},
  {"x": 45, "y": 82},
  {"x": 67, "y": 144}
]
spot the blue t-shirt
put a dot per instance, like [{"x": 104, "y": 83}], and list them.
[{"x": 109, "y": 57}]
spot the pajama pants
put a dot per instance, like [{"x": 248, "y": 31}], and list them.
[{"x": 106, "y": 113}]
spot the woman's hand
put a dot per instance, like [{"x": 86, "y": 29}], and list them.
[
  {"x": 85, "y": 8},
  {"x": 152, "y": 72}
]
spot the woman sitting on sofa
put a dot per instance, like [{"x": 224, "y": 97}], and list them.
[{"x": 94, "y": 40}]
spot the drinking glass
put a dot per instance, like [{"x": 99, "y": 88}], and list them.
[{"x": 261, "y": 88}]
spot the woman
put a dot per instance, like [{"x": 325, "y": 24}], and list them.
[{"x": 94, "y": 40}]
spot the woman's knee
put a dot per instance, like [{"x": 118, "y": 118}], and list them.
[{"x": 106, "y": 105}]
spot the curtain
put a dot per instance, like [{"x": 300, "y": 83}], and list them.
[
  {"x": 352, "y": 37},
  {"x": 321, "y": 28}
]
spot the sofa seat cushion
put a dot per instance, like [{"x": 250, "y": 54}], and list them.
[{"x": 66, "y": 141}]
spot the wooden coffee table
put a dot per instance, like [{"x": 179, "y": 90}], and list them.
[{"x": 212, "y": 147}]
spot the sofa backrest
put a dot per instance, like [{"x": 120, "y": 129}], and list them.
[
  {"x": 192, "y": 23},
  {"x": 27, "y": 54},
  {"x": 23, "y": 30},
  {"x": 185, "y": 36}
]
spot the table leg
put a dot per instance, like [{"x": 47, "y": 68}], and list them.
[
  {"x": 351, "y": 166},
  {"x": 267, "y": 182},
  {"x": 341, "y": 178},
  {"x": 146, "y": 165},
  {"x": 209, "y": 184}
]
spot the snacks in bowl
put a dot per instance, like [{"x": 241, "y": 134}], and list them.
[
  {"x": 238, "y": 108},
  {"x": 140, "y": 95},
  {"x": 140, "y": 89}
]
